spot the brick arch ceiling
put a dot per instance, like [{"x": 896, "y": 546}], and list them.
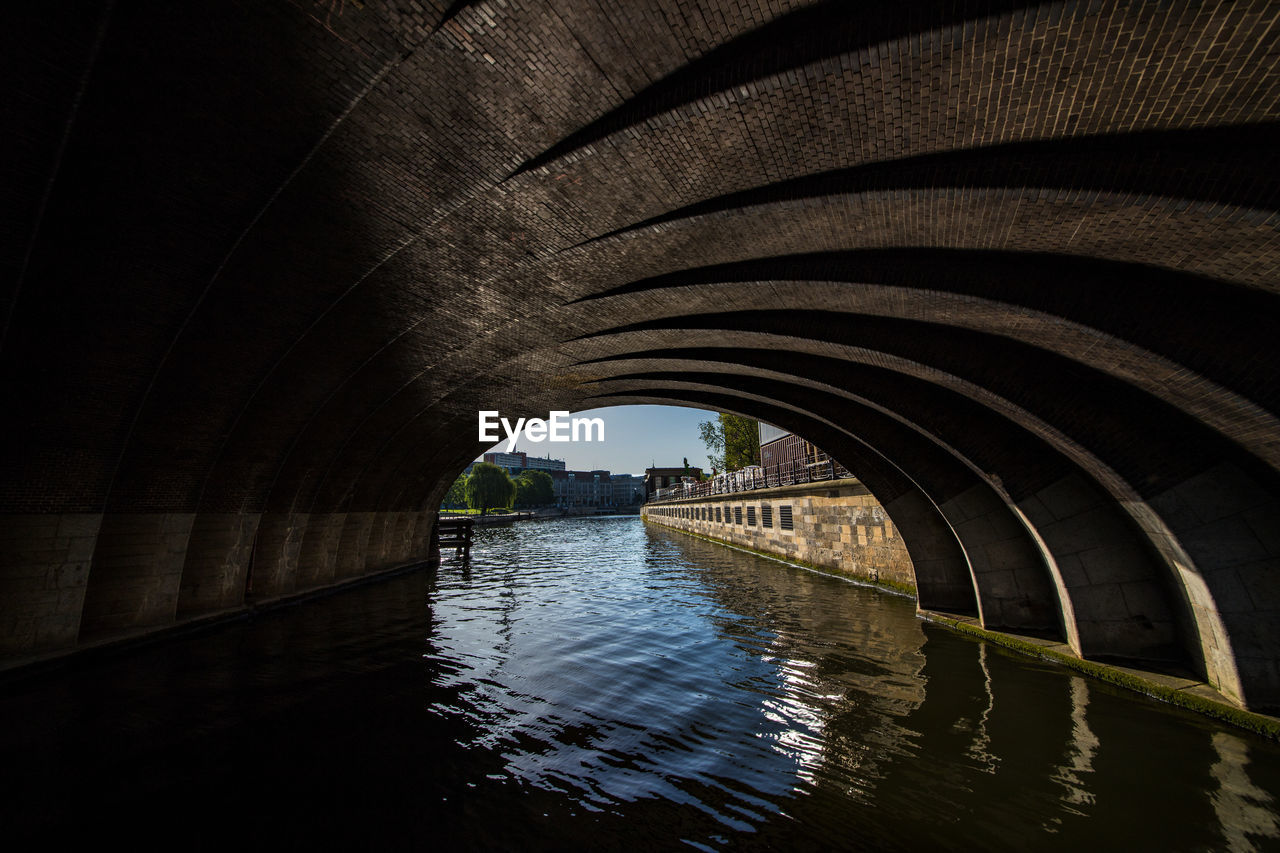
[{"x": 1019, "y": 260}]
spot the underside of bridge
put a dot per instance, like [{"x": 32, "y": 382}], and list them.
[{"x": 1013, "y": 263}]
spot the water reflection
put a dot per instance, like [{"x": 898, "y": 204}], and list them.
[
  {"x": 1245, "y": 811},
  {"x": 980, "y": 749},
  {"x": 594, "y": 683},
  {"x": 1073, "y": 773}
]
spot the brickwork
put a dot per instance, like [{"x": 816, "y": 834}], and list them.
[
  {"x": 839, "y": 527},
  {"x": 1014, "y": 264}
]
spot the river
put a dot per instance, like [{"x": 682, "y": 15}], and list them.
[{"x": 596, "y": 683}]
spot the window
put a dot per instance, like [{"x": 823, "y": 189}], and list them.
[
  {"x": 737, "y": 515},
  {"x": 766, "y": 515},
  {"x": 718, "y": 515},
  {"x": 784, "y": 518},
  {"x": 751, "y": 516}
]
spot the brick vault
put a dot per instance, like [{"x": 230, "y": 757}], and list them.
[{"x": 1013, "y": 263}]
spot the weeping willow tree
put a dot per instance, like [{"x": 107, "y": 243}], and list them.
[
  {"x": 489, "y": 487},
  {"x": 457, "y": 495},
  {"x": 734, "y": 441}
]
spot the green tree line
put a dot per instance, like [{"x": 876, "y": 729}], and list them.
[{"x": 491, "y": 487}]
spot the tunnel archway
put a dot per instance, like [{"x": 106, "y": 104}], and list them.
[{"x": 265, "y": 270}]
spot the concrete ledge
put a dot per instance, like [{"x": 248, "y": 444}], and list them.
[{"x": 1177, "y": 690}]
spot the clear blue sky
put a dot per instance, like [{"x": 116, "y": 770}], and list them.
[{"x": 635, "y": 437}]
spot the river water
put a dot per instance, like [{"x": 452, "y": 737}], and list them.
[{"x": 597, "y": 683}]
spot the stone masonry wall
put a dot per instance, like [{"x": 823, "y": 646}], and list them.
[{"x": 837, "y": 526}]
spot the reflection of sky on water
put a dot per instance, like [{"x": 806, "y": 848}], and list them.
[
  {"x": 795, "y": 711},
  {"x": 574, "y": 697},
  {"x": 659, "y": 668},
  {"x": 585, "y": 688}
]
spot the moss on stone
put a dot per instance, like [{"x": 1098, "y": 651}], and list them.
[{"x": 1218, "y": 710}]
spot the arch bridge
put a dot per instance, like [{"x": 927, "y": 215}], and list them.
[{"x": 1013, "y": 263}]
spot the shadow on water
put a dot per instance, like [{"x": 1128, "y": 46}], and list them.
[{"x": 594, "y": 683}]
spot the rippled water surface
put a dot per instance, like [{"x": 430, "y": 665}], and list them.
[{"x": 599, "y": 684}]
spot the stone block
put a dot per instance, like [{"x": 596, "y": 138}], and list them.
[
  {"x": 1068, "y": 497},
  {"x": 1224, "y": 542},
  {"x": 217, "y": 564}
]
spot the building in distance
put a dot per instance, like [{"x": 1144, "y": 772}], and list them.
[
  {"x": 628, "y": 489},
  {"x": 521, "y": 461},
  {"x": 665, "y": 478}
]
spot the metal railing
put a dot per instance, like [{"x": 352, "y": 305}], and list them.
[{"x": 755, "y": 477}]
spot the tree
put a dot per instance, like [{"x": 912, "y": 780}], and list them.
[
  {"x": 712, "y": 435},
  {"x": 734, "y": 441},
  {"x": 457, "y": 494},
  {"x": 688, "y": 472},
  {"x": 524, "y": 493},
  {"x": 489, "y": 486},
  {"x": 534, "y": 488},
  {"x": 741, "y": 441},
  {"x": 544, "y": 491}
]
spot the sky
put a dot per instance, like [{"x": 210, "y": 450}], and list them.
[{"x": 635, "y": 438}]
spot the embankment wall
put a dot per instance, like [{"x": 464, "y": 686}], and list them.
[{"x": 836, "y": 526}]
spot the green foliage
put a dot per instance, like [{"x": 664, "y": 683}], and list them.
[
  {"x": 544, "y": 493},
  {"x": 712, "y": 435},
  {"x": 534, "y": 488},
  {"x": 734, "y": 441},
  {"x": 741, "y": 441},
  {"x": 456, "y": 497},
  {"x": 489, "y": 487}
]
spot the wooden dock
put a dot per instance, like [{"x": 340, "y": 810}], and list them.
[{"x": 454, "y": 533}]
